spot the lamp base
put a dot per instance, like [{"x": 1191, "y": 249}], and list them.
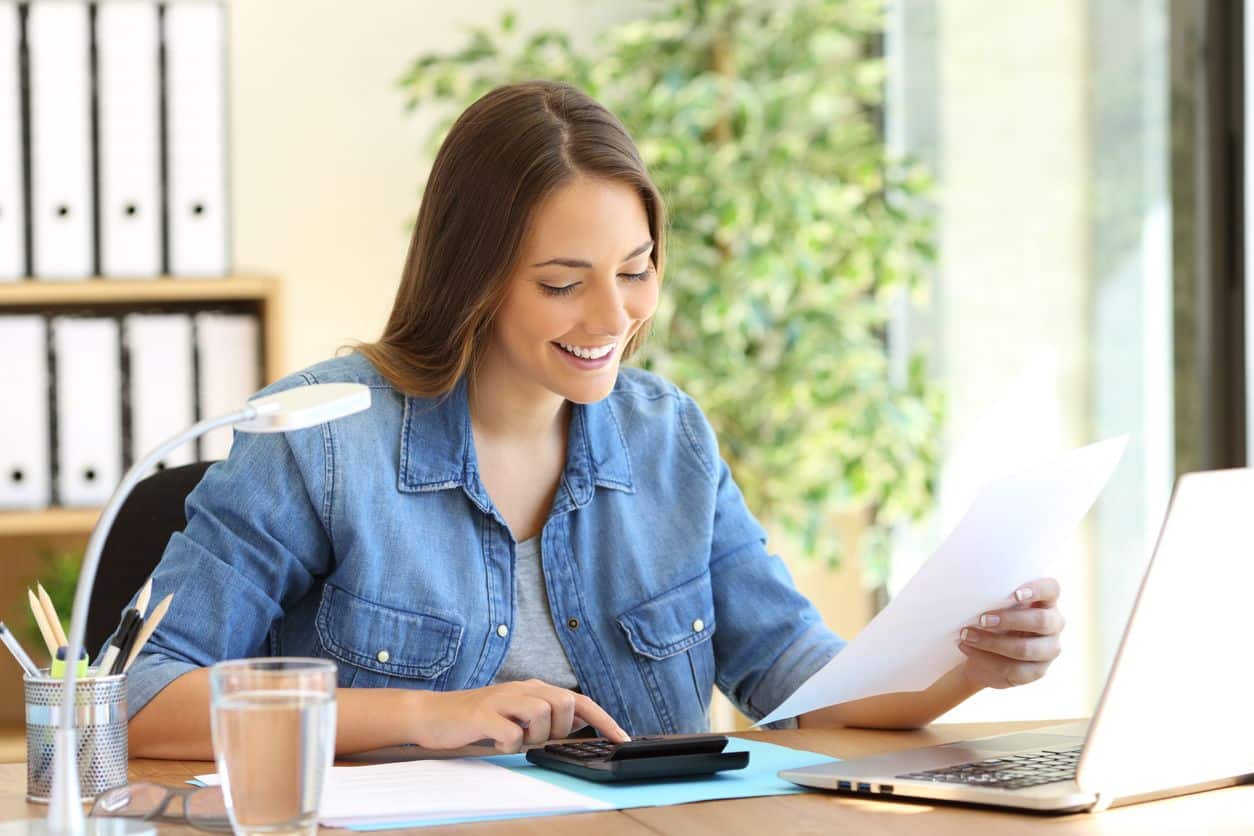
[{"x": 91, "y": 827}]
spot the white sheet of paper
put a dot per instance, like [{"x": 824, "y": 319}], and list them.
[
  {"x": 416, "y": 791},
  {"x": 1011, "y": 534}
]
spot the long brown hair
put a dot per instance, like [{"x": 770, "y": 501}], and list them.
[{"x": 503, "y": 156}]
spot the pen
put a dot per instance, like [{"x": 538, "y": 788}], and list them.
[
  {"x": 125, "y": 641},
  {"x": 150, "y": 627},
  {"x": 10, "y": 641},
  {"x": 127, "y": 628},
  {"x": 37, "y": 610},
  {"x": 54, "y": 621}
]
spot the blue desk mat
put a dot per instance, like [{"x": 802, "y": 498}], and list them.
[{"x": 757, "y": 779}]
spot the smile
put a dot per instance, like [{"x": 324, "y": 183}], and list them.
[{"x": 587, "y": 353}]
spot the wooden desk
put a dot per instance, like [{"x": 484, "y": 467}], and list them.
[{"x": 1228, "y": 811}]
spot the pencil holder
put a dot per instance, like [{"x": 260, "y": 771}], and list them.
[{"x": 100, "y": 732}]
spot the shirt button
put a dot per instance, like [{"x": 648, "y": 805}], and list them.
[
  {"x": 502, "y": 631},
  {"x": 698, "y": 626},
  {"x": 573, "y": 623},
  {"x": 383, "y": 656}
]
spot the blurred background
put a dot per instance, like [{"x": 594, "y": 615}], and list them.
[{"x": 914, "y": 244}]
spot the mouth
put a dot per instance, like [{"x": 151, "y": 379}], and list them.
[{"x": 586, "y": 357}]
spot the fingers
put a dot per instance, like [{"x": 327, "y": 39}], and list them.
[
  {"x": 542, "y": 712},
  {"x": 994, "y": 671},
  {"x": 597, "y": 717},
  {"x": 1040, "y": 592},
  {"x": 534, "y": 715},
  {"x": 562, "y": 709},
  {"x": 1040, "y": 621},
  {"x": 1013, "y": 647},
  {"x": 505, "y": 734}
]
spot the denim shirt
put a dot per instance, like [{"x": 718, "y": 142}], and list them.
[{"x": 372, "y": 541}]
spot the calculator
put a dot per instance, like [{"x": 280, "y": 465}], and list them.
[{"x": 642, "y": 758}]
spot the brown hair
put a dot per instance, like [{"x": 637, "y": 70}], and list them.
[{"x": 503, "y": 156}]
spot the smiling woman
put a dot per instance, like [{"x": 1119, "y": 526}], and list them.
[{"x": 521, "y": 537}]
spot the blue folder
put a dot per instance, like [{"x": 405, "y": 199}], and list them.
[{"x": 758, "y": 778}]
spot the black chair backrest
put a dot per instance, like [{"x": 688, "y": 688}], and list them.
[{"x": 149, "y": 517}]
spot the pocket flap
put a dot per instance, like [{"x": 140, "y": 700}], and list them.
[
  {"x": 384, "y": 639},
  {"x": 673, "y": 621}
]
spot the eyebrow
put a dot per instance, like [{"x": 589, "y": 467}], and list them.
[{"x": 579, "y": 263}]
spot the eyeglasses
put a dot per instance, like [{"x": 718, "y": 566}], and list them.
[{"x": 203, "y": 808}]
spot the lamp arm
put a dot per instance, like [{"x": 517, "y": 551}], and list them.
[{"x": 65, "y": 809}]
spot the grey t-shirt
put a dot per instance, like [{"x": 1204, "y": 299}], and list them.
[{"x": 534, "y": 651}]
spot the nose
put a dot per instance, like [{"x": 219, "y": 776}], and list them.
[{"x": 605, "y": 314}]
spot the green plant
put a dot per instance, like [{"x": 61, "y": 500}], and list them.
[{"x": 792, "y": 232}]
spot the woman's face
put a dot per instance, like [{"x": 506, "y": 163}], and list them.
[{"x": 584, "y": 284}]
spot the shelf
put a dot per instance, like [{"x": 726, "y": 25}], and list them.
[
  {"x": 97, "y": 291},
  {"x": 113, "y": 297},
  {"x": 49, "y": 521}
]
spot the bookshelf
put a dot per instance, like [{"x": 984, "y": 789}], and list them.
[{"x": 258, "y": 295}]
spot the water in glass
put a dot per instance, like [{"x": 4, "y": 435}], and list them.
[{"x": 274, "y": 747}]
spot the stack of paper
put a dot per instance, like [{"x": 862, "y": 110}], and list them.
[{"x": 417, "y": 792}]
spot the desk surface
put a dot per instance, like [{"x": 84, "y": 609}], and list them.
[{"x": 1223, "y": 811}]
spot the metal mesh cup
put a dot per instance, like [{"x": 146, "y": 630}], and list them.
[{"x": 100, "y": 732}]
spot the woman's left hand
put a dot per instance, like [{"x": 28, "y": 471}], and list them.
[{"x": 1015, "y": 644}]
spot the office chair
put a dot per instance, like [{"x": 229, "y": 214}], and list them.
[{"x": 149, "y": 517}]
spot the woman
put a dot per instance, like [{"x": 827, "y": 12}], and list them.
[{"x": 519, "y": 538}]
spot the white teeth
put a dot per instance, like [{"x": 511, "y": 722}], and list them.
[{"x": 589, "y": 353}]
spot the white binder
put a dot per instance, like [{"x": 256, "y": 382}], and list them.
[
  {"x": 228, "y": 351},
  {"x": 88, "y": 403},
  {"x": 12, "y": 201},
  {"x": 129, "y": 134},
  {"x": 195, "y": 95},
  {"x": 58, "y": 40},
  {"x": 25, "y": 456},
  {"x": 161, "y": 390}
]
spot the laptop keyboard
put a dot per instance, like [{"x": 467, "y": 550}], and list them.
[{"x": 1011, "y": 772}]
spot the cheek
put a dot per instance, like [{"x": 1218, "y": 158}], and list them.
[
  {"x": 642, "y": 303},
  {"x": 523, "y": 325}
]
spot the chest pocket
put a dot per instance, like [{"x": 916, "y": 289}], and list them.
[
  {"x": 377, "y": 644},
  {"x": 670, "y": 637}
]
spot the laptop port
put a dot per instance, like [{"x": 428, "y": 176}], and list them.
[
  {"x": 844, "y": 785},
  {"x": 864, "y": 787},
  {"x": 886, "y": 789}
]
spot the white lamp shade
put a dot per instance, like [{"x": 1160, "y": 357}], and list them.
[{"x": 305, "y": 406}]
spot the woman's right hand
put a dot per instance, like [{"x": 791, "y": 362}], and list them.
[{"x": 509, "y": 714}]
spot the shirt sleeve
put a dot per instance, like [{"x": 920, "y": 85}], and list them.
[
  {"x": 770, "y": 638},
  {"x": 257, "y": 538}
]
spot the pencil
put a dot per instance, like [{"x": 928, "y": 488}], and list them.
[
  {"x": 54, "y": 621},
  {"x": 150, "y": 627},
  {"x": 37, "y": 610},
  {"x": 144, "y": 595}
]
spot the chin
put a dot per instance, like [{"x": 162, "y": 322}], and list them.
[{"x": 587, "y": 392}]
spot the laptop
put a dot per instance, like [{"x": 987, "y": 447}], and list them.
[{"x": 1177, "y": 711}]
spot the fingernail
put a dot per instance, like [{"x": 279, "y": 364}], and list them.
[
  {"x": 1023, "y": 594},
  {"x": 990, "y": 620},
  {"x": 968, "y": 636}
]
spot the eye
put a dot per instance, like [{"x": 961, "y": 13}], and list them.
[
  {"x": 635, "y": 277},
  {"x": 555, "y": 290}
]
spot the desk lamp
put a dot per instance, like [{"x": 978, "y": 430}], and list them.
[{"x": 293, "y": 409}]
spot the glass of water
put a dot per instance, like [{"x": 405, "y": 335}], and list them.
[{"x": 273, "y": 740}]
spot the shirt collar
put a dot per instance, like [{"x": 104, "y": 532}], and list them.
[{"x": 438, "y": 451}]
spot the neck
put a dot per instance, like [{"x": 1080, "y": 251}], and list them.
[{"x": 505, "y": 408}]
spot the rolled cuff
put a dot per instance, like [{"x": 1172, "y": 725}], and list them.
[
  {"x": 810, "y": 652},
  {"x": 149, "y": 676}
]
